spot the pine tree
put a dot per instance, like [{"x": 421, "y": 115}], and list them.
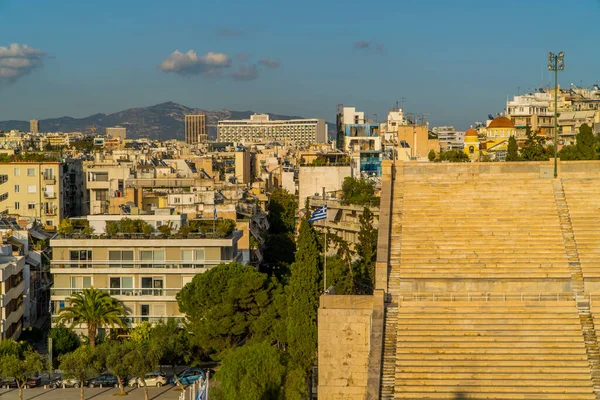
[
  {"x": 586, "y": 143},
  {"x": 513, "y": 150},
  {"x": 303, "y": 292}
]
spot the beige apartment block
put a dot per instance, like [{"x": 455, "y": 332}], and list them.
[
  {"x": 195, "y": 129},
  {"x": 145, "y": 273},
  {"x": 117, "y": 132},
  {"x": 32, "y": 190}
]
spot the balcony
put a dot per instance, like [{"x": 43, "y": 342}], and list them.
[
  {"x": 49, "y": 179},
  {"x": 125, "y": 293},
  {"x": 132, "y": 320},
  {"x": 49, "y": 195},
  {"x": 174, "y": 265}
]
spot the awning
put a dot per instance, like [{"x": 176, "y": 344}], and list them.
[
  {"x": 34, "y": 263},
  {"x": 41, "y": 235}
]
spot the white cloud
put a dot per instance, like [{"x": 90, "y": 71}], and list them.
[
  {"x": 18, "y": 60},
  {"x": 267, "y": 62},
  {"x": 245, "y": 73},
  {"x": 210, "y": 64}
]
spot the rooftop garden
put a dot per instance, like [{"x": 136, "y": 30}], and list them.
[
  {"x": 137, "y": 228},
  {"x": 28, "y": 157}
]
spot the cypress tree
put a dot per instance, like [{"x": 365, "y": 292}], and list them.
[
  {"x": 303, "y": 292},
  {"x": 586, "y": 143},
  {"x": 513, "y": 150}
]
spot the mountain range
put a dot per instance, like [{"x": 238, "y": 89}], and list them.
[{"x": 162, "y": 121}]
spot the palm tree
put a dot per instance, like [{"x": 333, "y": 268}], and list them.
[{"x": 95, "y": 308}]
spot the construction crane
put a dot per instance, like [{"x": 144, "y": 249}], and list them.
[{"x": 92, "y": 128}]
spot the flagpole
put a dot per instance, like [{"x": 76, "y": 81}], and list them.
[{"x": 325, "y": 246}]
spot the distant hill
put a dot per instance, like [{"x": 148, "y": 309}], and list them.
[{"x": 162, "y": 121}]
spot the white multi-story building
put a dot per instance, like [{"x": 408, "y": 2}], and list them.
[
  {"x": 259, "y": 128},
  {"x": 449, "y": 138}
]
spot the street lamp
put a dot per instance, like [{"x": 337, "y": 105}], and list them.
[{"x": 556, "y": 62}]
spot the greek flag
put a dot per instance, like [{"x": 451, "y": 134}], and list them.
[
  {"x": 215, "y": 211},
  {"x": 318, "y": 214}
]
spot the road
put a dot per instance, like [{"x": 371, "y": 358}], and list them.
[{"x": 163, "y": 393}]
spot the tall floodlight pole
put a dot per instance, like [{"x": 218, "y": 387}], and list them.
[{"x": 556, "y": 62}]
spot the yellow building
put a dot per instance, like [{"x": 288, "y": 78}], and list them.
[
  {"x": 497, "y": 134},
  {"x": 472, "y": 144},
  {"x": 32, "y": 190}
]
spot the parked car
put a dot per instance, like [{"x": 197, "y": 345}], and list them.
[
  {"x": 152, "y": 379},
  {"x": 12, "y": 383},
  {"x": 188, "y": 376},
  {"x": 104, "y": 380},
  {"x": 60, "y": 382}
]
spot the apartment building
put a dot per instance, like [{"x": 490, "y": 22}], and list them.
[
  {"x": 32, "y": 190},
  {"x": 145, "y": 273},
  {"x": 12, "y": 289},
  {"x": 103, "y": 181},
  {"x": 259, "y": 128},
  {"x": 195, "y": 129},
  {"x": 117, "y": 132}
]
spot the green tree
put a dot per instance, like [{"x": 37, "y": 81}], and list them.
[
  {"x": 142, "y": 332},
  {"x": 339, "y": 275},
  {"x": 283, "y": 208},
  {"x": 453, "y": 156},
  {"x": 303, "y": 292},
  {"x": 143, "y": 358},
  {"x": 81, "y": 364},
  {"x": 21, "y": 363},
  {"x": 533, "y": 148},
  {"x": 115, "y": 359},
  {"x": 95, "y": 308},
  {"x": 359, "y": 191},
  {"x": 228, "y": 305},
  {"x": 280, "y": 245},
  {"x": 366, "y": 247},
  {"x": 64, "y": 340},
  {"x": 586, "y": 143},
  {"x": 65, "y": 227},
  {"x": 431, "y": 155},
  {"x": 513, "y": 150},
  {"x": 173, "y": 339},
  {"x": 252, "y": 372}
]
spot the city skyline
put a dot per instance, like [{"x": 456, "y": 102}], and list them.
[{"x": 453, "y": 63}]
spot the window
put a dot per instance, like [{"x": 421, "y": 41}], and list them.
[
  {"x": 152, "y": 285},
  {"x": 80, "y": 258},
  {"x": 17, "y": 205},
  {"x": 31, "y": 188},
  {"x": 81, "y": 282},
  {"x": 49, "y": 222},
  {"x": 17, "y": 172},
  {"x": 31, "y": 206},
  {"x": 122, "y": 285},
  {"x": 17, "y": 188},
  {"x": 48, "y": 173},
  {"x": 119, "y": 258},
  {"x": 149, "y": 258},
  {"x": 189, "y": 256},
  {"x": 30, "y": 171}
]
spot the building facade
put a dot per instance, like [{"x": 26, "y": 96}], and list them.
[
  {"x": 146, "y": 274},
  {"x": 12, "y": 289},
  {"x": 32, "y": 190},
  {"x": 117, "y": 132},
  {"x": 34, "y": 126},
  {"x": 195, "y": 129},
  {"x": 259, "y": 128}
]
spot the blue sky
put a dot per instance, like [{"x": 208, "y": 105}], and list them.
[{"x": 455, "y": 61}]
